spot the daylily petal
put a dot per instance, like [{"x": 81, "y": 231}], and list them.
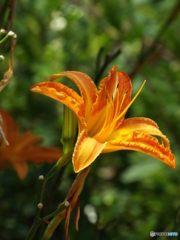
[
  {"x": 104, "y": 129},
  {"x": 117, "y": 86},
  {"x": 77, "y": 214},
  {"x": 4, "y": 163},
  {"x": 145, "y": 125},
  {"x": 142, "y": 142},
  {"x": 53, "y": 225},
  {"x": 64, "y": 95},
  {"x": 77, "y": 185},
  {"x": 68, "y": 214},
  {"x": 125, "y": 91},
  {"x": 117, "y": 80},
  {"x": 73, "y": 198},
  {"x": 21, "y": 169},
  {"x": 26, "y": 140},
  {"x": 85, "y": 84},
  {"x": 86, "y": 151},
  {"x": 99, "y": 111},
  {"x": 10, "y": 128},
  {"x": 41, "y": 154},
  {"x": 23, "y": 148},
  {"x": 2, "y": 135}
]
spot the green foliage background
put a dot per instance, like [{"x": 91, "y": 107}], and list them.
[{"x": 130, "y": 193}]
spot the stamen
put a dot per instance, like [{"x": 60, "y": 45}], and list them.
[
  {"x": 118, "y": 108},
  {"x": 134, "y": 98},
  {"x": 109, "y": 116},
  {"x": 108, "y": 108},
  {"x": 115, "y": 105},
  {"x": 123, "y": 100}
]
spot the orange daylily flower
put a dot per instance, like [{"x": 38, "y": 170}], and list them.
[
  {"x": 100, "y": 114},
  {"x": 23, "y": 148}
]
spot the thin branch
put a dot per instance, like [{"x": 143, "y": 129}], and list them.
[
  {"x": 38, "y": 221},
  {"x": 9, "y": 73},
  {"x": 144, "y": 56},
  {"x": 11, "y": 14},
  {"x": 101, "y": 67},
  {"x": 8, "y": 5},
  {"x": 3, "y": 12}
]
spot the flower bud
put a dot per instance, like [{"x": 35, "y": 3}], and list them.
[{"x": 69, "y": 130}]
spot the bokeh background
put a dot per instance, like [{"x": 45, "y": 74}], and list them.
[{"x": 126, "y": 194}]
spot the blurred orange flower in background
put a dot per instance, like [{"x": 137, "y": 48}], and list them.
[{"x": 23, "y": 148}]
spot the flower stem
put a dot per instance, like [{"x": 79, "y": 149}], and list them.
[
  {"x": 52, "y": 214},
  {"x": 37, "y": 221},
  {"x": 33, "y": 230},
  {"x": 10, "y": 34}
]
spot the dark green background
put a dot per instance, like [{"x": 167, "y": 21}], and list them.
[{"x": 131, "y": 193}]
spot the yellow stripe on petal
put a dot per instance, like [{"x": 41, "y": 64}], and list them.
[
  {"x": 85, "y": 84},
  {"x": 98, "y": 116},
  {"x": 108, "y": 126},
  {"x": 123, "y": 96},
  {"x": 86, "y": 151},
  {"x": 64, "y": 95},
  {"x": 145, "y": 143}
]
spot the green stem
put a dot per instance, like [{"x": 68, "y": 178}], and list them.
[
  {"x": 108, "y": 59},
  {"x": 37, "y": 221},
  {"x": 57, "y": 181},
  {"x": 98, "y": 60},
  {"x": 64, "y": 159},
  {"x": 52, "y": 214},
  {"x": 7, "y": 37},
  {"x": 33, "y": 230},
  {"x": 3, "y": 12}
]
